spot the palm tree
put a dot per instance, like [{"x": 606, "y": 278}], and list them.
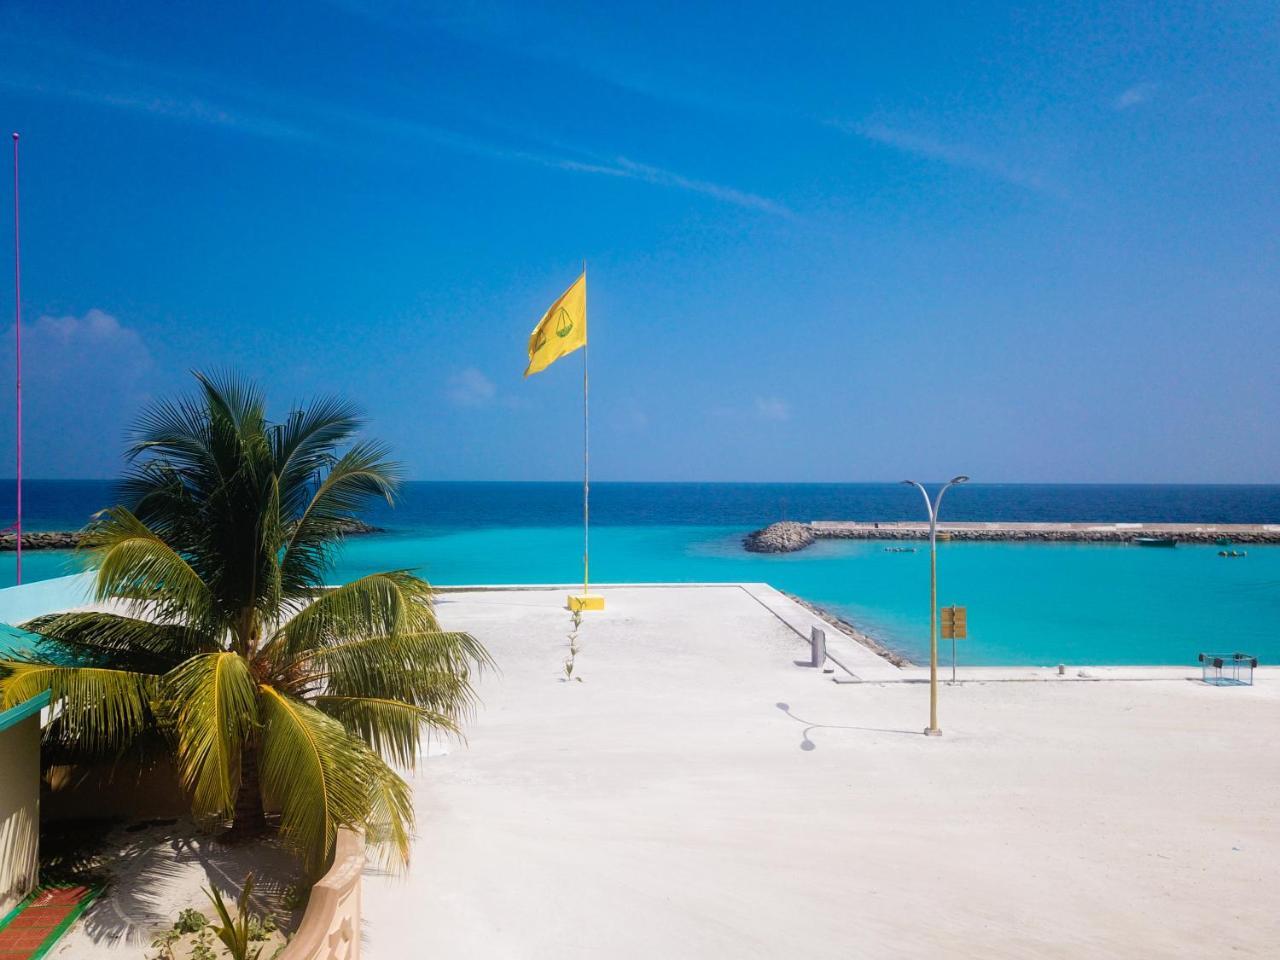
[{"x": 219, "y": 641}]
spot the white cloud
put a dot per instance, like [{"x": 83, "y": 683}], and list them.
[
  {"x": 773, "y": 409},
  {"x": 1135, "y": 96},
  {"x": 84, "y": 379},
  {"x": 471, "y": 388},
  {"x": 54, "y": 346}
]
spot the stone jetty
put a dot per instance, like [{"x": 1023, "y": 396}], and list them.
[
  {"x": 785, "y": 537},
  {"x": 70, "y": 539},
  {"x": 790, "y": 536}
]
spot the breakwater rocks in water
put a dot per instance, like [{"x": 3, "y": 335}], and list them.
[
  {"x": 790, "y": 536},
  {"x": 784, "y": 537},
  {"x": 70, "y": 539},
  {"x": 43, "y": 540}
]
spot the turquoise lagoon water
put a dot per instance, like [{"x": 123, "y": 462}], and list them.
[{"x": 1028, "y": 603}]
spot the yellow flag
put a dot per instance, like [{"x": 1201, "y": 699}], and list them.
[{"x": 562, "y": 329}]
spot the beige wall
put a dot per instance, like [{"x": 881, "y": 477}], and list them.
[
  {"x": 330, "y": 928},
  {"x": 19, "y": 810}
]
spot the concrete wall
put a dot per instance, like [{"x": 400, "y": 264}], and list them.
[
  {"x": 45, "y": 596},
  {"x": 330, "y": 928},
  {"x": 19, "y": 810}
]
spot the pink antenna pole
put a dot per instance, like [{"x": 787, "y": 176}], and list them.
[{"x": 17, "y": 332}]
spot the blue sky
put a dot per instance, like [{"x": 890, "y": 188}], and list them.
[{"x": 1032, "y": 243}]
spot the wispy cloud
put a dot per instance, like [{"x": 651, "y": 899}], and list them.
[
  {"x": 1135, "y": 96},
  {"x": 631, "y": 170},
  {"x": 206, "y": 101},
  {"x": 471, "y": 388},
  {"x": 194, "y": 110},
  {"x": 773, "y": 409},
  {"x": 952, "y": 154}
]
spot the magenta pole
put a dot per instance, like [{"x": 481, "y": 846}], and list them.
[{"x": 17, "y": 333}]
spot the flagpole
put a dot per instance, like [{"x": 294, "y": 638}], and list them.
[
  {"x": 17, "y": 333},
  {"x": 586, "y": 447}
]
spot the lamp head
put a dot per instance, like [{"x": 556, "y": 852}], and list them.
[{"x": 960, "y": 479}]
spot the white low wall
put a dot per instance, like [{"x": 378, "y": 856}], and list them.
[
  {"x": 45, "y": 596},
  {"x": 330, "y": 927},
  {"x": 19, "y": 810}
]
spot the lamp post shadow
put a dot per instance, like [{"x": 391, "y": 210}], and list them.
[{"x": 807, "y": 743}]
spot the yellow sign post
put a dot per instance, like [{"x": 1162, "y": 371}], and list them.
[{"x": 955, "y": 626}]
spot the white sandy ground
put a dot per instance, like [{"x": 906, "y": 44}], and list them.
[
  {"x": 160, "y": 870},
  {"x": 669, "y": 806}
]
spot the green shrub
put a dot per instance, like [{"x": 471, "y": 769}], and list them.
[{"x": 191, "y": 921}]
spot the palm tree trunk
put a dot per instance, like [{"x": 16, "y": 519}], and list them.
[{"x": 250, "y": 816}]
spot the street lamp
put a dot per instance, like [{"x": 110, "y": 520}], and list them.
[{"x": 933, "y": 730}]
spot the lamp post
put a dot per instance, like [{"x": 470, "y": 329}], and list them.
[{"x": 933, "y": 730}]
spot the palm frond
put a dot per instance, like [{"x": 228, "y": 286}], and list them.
[
  {"x": 432, "y": 670},
  {"x": 134, "y": 562},
  {"x": 230, "y": 397},
  {"x": 377, "y": 605},
  {"x": 101, "y": 710},
  {"x": 315, "y": 771},
  {"x": 363, "y": 473},
  {"x": 175, "y": 431},
  {"x": 120, "y": 640},
  {"x": 214, "y": 707},
  {"x": 304, "y": 446},
  {"x": 392, "y": 728},
  {"x": 389, "y": 823}
]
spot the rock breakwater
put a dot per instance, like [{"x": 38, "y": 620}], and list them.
[
  {"x": 71, "y": 539},
  {"x": 783, "y": 537},
  {"x": 790, "y": 536}
]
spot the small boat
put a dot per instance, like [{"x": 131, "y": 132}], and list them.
[
  {"x": 1224, "y": 541},
  {"x": 1233, "y": 553},
  {"x": 1155, "y": 542}
]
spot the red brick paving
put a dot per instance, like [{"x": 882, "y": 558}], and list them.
[{"x": 28, "y": 931}]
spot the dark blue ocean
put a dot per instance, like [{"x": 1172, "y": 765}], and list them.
[
  {"x": 1028, "y": 603},
  {"x": 67, "y": 504}
]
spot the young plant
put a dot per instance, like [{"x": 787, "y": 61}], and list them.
[
  {"x": 164, "y": 944},
  {"x": 236, "y": 933},
  {"x": 571, "y": 661}
]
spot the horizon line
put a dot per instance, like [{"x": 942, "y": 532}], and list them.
[{"x": 765, "y": 483}]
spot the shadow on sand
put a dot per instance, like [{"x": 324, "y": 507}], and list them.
[{"x": 806, "y": 743}]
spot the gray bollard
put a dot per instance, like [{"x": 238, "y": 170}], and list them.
[{"x": 818, "y": 646}]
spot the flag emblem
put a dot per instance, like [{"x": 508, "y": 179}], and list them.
[{"x": 564, "y": 323}]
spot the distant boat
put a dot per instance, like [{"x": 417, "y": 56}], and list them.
[{"x": 1155, "y": 541}]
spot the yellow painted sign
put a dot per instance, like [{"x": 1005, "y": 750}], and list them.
[{"x": 954, "y": 623}]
